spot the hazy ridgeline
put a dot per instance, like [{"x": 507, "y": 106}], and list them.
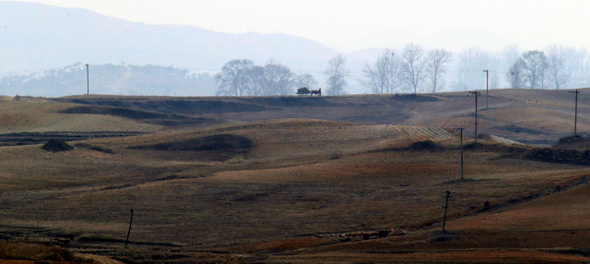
[{"x": 413, "y": 69}]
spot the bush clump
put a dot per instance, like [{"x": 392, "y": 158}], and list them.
[
  {"x": 56, "y": 145},
  {"x": 573, "y": 142},
  {"x": 425, "y": 145},
  {"x": 569, "y": 156},
  {"x": 572, "y": 139}
]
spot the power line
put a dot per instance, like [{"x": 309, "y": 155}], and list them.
[{"x": 35, "y": 70}]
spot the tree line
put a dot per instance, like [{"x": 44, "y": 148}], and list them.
[
  {"x": 244, "y": 78},
  {"x": 554, "y": 67},
  {"x": 535, "y": 70},
  {"x": 414, "y": 70},
  {"x": 391, "y": 73}
]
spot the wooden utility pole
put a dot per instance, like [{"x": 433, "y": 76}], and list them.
[
  {"x": 475, "y": 94},
  {"x": 87, "y": 80},
  {"x": 576, "y": 113},
  {"x": 447, "y": 195},
  {"x": 129, "y": 231},
  {"x": 461, "y": 129},
  {"x": 487, "y": 90}
]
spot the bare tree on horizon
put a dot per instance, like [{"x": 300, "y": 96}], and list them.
[
  {"x": 234, "y": 78},
  {"x": 514, "y": 75},
  {"x": 306, "y": 80},
  {"x": 557, "y": 61},
  {"x": 384, "y": 76},
  {"x": 413, "y": 65},
  {"x": 336, "y": 73},
  {"x": 278, "y": 79},
  {"x": 535, "y": 68},
  {"x": 435, "y": 67}
]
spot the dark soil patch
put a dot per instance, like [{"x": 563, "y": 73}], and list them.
[
  {"x": 415, "y": 98},
  {"x": 568, "y": 156},
  {"x": 32, "y": 138},
  {"x": 573, "y": 142},
  {"x": 466, "y": 180},
  {"x": 425, "y": 145},
  {"x": 518, "y": 129},
  {"x": 165, "y": 119},
  {"x": 510, "y": 149},
  {"x": 484, "y": 136},
  {"x": 189, "y": 106},
  {"x": 473, "y": 146},
  {"x": 294, "y": 101},
  {"x": 56, "y": 145},
  {"x": 96, "y": 148},
  {"x": 223, "y": 146}
]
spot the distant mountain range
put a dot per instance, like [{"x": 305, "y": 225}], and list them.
[{"x": 36, "y": 36}]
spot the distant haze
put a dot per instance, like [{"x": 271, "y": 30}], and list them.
[
  {"x": 347, "y": 25},
  {"x": 39, "y": 36},
  {"x": 46, "y": 36}
]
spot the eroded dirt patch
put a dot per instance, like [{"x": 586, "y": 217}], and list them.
[
  {"x": 164, "y": 119},
  {"x": 217, "y": 147}
]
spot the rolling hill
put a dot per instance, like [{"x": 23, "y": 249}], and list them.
[
  {"x": 527, "y": 116},
  {"x": 296, "y": 179}
]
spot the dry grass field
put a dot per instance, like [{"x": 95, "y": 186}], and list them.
[{"x": 351, "y": 179}]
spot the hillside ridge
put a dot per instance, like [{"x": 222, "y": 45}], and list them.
[{"x": 527, "y": 116}]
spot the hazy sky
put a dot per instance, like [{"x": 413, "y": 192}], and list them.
[{"x": 347, "y": 25}]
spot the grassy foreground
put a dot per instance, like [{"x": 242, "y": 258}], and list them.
[{"x": 289, "y": 190}]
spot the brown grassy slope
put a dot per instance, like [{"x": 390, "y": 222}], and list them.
[
  {"x": 299, "y": 177},
  {"x": 297, "y": 170},
  {"x": 456, "y": 256},
  {"x": 18, "y": 117},
  {"x": 532, "y": 116},
  {"x": 97, "y": 181},
  {"x": 564, "y": 211},
  {"x": 552, "y": 229},
  {"x": 30, "y": 253}
]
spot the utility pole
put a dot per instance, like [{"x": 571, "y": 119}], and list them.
[
  {"x": 475, "y": 94},
  {"x": 87, "y": 80},
  {"x": 576, "y": 113},
  {"x": 447, "y": 195},
  {"x": 461, "y": 129},
  {"x": 487, "y": 90},
  {"x": 129, "y": 231}
]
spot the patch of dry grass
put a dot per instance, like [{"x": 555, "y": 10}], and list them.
[
  {"x": 457, "y": 256},
  {"x": 25, "y": 251},
  {"x": 37, "y": 116},
  {"x": 298, "y": 178}
]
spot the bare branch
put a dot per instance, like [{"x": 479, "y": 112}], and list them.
[
  {"x": 412, "y": 65},
  {"x": 384, "y": 76},
  {"x": 337, "y": 74},
  {"x": 435, "y": 66}
]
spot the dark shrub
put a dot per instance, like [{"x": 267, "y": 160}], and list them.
[
  {"x": 424, "y": 145},
  {"x": 56, "y": 145}
]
